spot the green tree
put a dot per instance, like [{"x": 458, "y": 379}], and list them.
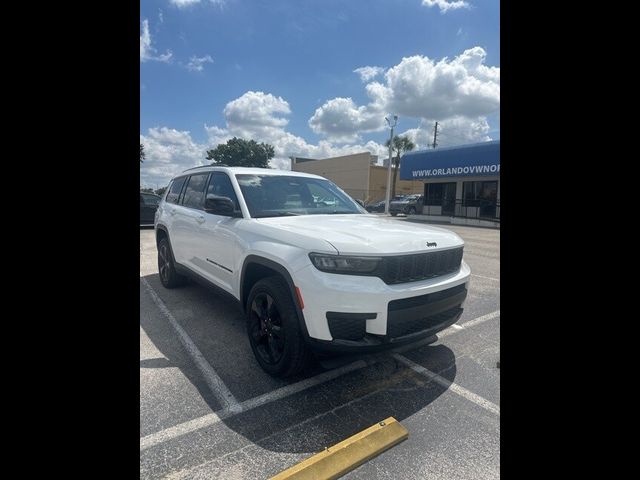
[
  {"x": 142, "y": 155},
  {"x": 400, "y": 145},
  {"x": 161, "y": 191},
  {"x": 238, "y": 152}
]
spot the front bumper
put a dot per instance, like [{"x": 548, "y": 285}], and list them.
[{"x": 384, "y": 313}]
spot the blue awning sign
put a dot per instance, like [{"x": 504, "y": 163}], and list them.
[{"x": 479, "y": 159}]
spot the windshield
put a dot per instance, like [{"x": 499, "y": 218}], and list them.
[{"x": 283, "y": 195}]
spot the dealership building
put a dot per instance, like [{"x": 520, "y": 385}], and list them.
[
  {"x": 461, "y": 184},
  {"x": 357, "y": 174}
]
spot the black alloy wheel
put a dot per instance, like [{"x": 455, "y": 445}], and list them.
[
  {"x": 267, "y": 333},
  {"x": 274, "y": 328},
  {"x": 169, "y": 277}
]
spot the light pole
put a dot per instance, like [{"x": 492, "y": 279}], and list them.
[{"x": 388, "y": 197}]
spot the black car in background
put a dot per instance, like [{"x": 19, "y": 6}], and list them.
[
  {"x": 379, "y": 206},
  {"x": 148, "y": 206},
  {"x": 375, "y": 207}
]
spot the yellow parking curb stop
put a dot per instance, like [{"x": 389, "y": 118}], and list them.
[{"x": 343, "y": 457}]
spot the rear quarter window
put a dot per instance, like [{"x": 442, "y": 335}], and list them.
[{"x": 174, "y": 190}]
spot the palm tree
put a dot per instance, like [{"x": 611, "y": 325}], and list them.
[
  {"x": 142, "y": 155},
  {"x": 400, "y": 145}
]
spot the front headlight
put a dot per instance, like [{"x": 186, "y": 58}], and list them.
[{"x": 344, "y": 264}]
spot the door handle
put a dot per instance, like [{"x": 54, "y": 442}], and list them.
[{"x": 200, "y": 218}]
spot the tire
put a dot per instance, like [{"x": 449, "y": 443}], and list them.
[
  {"x": 274, "y": 330},
  {"x": 412, "y": 211},
  {"x": 167, "y": 266},
  {"x": 393, "y": 214}
]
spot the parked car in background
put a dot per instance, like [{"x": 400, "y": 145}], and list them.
[
  {"x": 379, "y": 206},
  {"x": 375, "y": 207},
  {"x": 148, "y": 206},
  {"x": 408, "y": 205}
]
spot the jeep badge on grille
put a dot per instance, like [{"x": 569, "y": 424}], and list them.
[{"x": 432, "y": 244}]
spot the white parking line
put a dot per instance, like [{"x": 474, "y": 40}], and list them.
[
  {"x": 157, "y": 438},
  {"x": 481, "y": 319},
  {"x": 212, "y": 379},
  {"x": 454, "y": 387},
  {"x": 211, "y": 418},
  {"x": 470, "y": 323},
  {"x": 488, "y": 278},
  {"x": 170, "y": 433}
]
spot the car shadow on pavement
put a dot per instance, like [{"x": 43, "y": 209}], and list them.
[
  {"x": 156, "y": 363},
  {"x": 307, "y": 421}
]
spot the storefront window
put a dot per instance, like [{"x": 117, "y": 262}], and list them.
[
  {"x": 443, "y": 195},
  {"x": 434, "y": 194},
  {"x": 482, "y": 194}
]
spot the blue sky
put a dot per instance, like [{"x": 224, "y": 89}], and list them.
[{"x": 283, "y": 72}]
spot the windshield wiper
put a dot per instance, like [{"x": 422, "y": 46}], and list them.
[{"x": 278, "y": 214}]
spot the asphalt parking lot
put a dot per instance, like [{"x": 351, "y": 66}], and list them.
[{"x": 207, "y": 410}]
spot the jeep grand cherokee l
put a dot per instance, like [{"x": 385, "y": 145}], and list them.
[{"x": 309, "y": 275}]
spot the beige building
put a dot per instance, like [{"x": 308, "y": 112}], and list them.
[{"x": 357, "y": 174}]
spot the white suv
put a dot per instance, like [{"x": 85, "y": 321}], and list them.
[{"x": 312, "y": 270}]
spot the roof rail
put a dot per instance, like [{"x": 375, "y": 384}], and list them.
[{"x": 206, "y": 166}]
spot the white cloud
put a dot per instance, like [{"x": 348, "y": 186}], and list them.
[
  {"x": 196, "y": 64},
  {"x": 168, "y": 152},
  {"x": 145, "y": 40},
  {"x": 368, "y": 73},
  {"x": 421, "y": 87},
  {"x": 188, "y": 3},
  {"x": 259, "y": 116},
  {"x": 446, "y": 5},
  {"x": 342, "y": 121},
  {"x": 147, "y": 51},
  {"x": 418, "y": 87},
  {"x": 254, "y": 115},
  {"x": 453, "y": 131},
  {"x": 184, "y": 3}
]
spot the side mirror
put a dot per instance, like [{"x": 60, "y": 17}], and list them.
[
  {"x": 217, "y": 205},
  {"x": 360, "y": 202}
]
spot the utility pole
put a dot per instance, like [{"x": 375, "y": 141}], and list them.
[
  {"x": 435, "y": 136},
  {"x": 388, "y": 195}
]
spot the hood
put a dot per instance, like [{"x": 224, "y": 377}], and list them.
[{"x": 367, "y": 234}]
